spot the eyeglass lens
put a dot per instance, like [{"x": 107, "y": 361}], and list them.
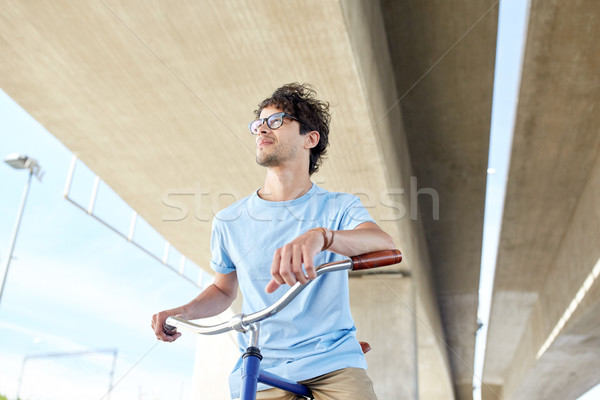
[{"x": 273, "y": 122}]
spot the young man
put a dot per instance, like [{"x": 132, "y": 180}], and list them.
[{"x": 275, "y": 237}]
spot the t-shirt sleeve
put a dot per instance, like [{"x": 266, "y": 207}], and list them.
[
  {"x": 354, "y": 214},
  {"x": 220, "y": 261}
]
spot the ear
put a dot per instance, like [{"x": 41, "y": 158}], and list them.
[{"x": 311, "y": 139}]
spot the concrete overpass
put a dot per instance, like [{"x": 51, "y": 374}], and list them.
[
  {"x": 544, "y": 332},
  {"x": 155, "y": 96}
]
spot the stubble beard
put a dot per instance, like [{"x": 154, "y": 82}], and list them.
[{"x": 276, "y": 158}]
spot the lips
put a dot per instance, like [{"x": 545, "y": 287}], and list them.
[{"x": 263, "y": 142}]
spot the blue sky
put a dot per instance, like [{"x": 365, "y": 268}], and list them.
[
  {"x": 512, "y": 25},
  {"x": 75, "y": 285}
]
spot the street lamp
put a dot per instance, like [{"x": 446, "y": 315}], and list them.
[{"x": 19, "y": 161}]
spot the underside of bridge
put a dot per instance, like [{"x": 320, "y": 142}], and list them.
[
  {"x": 544, "y": 333},
  {"x": 155, "y": 97}
]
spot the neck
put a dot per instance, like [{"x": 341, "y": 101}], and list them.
[{"x": 284, "y": 184}]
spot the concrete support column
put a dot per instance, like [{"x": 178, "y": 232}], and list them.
[
  {"x": 383, "y": 310},
  {"x": 367, "y": 36}
]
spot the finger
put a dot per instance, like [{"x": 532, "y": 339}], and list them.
[
  {"x": 168, "y": 338},
  {"x": 173, "y": 337},
  {"x": 161, "y": 329},
  {"x": 309, "y": 263},
  {"x": 155, "y": 324},
  {"x": 275, "y": 267},
  {"x": 164, "y": 337},
  {"x": 272, "y": 286},
  {"x": 296, "y": 264},
  {"x": 285, "y": 266}
]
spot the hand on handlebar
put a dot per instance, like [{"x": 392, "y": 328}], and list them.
[
  {"x": 241, "y": 322},
  {"x": 287, "y": 261},
  {"x": 158, "y": 325}
]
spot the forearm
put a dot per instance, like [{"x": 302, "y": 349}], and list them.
[
  {"x": 212, "y": 301},
  {"x": 361, "y": 240}
]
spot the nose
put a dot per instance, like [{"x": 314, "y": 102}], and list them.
[{"x": 262, "y": 128}]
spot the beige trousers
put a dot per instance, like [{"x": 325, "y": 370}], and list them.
[{"x": 343, "y": 384}]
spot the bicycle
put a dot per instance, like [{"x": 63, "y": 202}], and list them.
[{"x": 251, "y": 372}]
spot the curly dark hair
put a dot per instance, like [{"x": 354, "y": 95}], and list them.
[{"x": 300, "y": 101}]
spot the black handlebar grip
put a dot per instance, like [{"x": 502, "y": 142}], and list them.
[
  {"x": 169, "y": 329},
  {"x": 376, "y": 259}
]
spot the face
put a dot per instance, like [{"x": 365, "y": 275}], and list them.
[{"x": 275, "y": 147}]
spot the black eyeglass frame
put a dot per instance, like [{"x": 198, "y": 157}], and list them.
[{"x": 266, "y": 120}]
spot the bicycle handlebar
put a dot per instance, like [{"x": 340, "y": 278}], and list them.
[
  {"x": 376, "y": 259},
  {"x": 242, "y": 323}
]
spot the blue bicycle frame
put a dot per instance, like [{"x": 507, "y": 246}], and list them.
[{"x": 251, "y": 373}]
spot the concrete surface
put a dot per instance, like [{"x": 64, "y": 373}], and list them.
[{"x": 550, "y": 228}]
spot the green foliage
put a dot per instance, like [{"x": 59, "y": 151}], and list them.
[{"x": 3, "y": 397}]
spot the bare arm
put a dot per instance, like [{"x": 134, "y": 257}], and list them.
[
  {"x": 212, "y": 301},
  {"x": 288, "y": 260},
  {"x": 365, "y": 238}
]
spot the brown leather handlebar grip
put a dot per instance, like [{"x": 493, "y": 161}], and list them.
[{"x": 376, "y": 259}]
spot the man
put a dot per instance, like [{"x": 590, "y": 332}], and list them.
[{"x": 275, "y": 237}]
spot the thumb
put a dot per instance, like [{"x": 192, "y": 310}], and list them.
[{"x": 272, "y": 286}]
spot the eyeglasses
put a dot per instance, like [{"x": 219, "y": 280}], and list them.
[{"x": 273, "y": 122}]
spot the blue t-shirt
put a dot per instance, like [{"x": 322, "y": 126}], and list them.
[{"x": 315, "y": 333}]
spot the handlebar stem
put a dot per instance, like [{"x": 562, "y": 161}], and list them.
[
  {"x": 254, "y": 330},
  {"x": 236, "y": 323}
]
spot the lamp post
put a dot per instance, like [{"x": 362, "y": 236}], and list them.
[{"x": 19, "y": 161}]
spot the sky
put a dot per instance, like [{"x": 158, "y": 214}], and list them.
[
  {"x": 74, "y": 285},
  {"x": 512, "y": 27}
]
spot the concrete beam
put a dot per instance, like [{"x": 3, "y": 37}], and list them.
[
  {"x": 443, "y": 55},
  {"x": 557, "y": 356},
  {"x": 548, "y": 245},
  {"x": 370, "y": 43}
]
